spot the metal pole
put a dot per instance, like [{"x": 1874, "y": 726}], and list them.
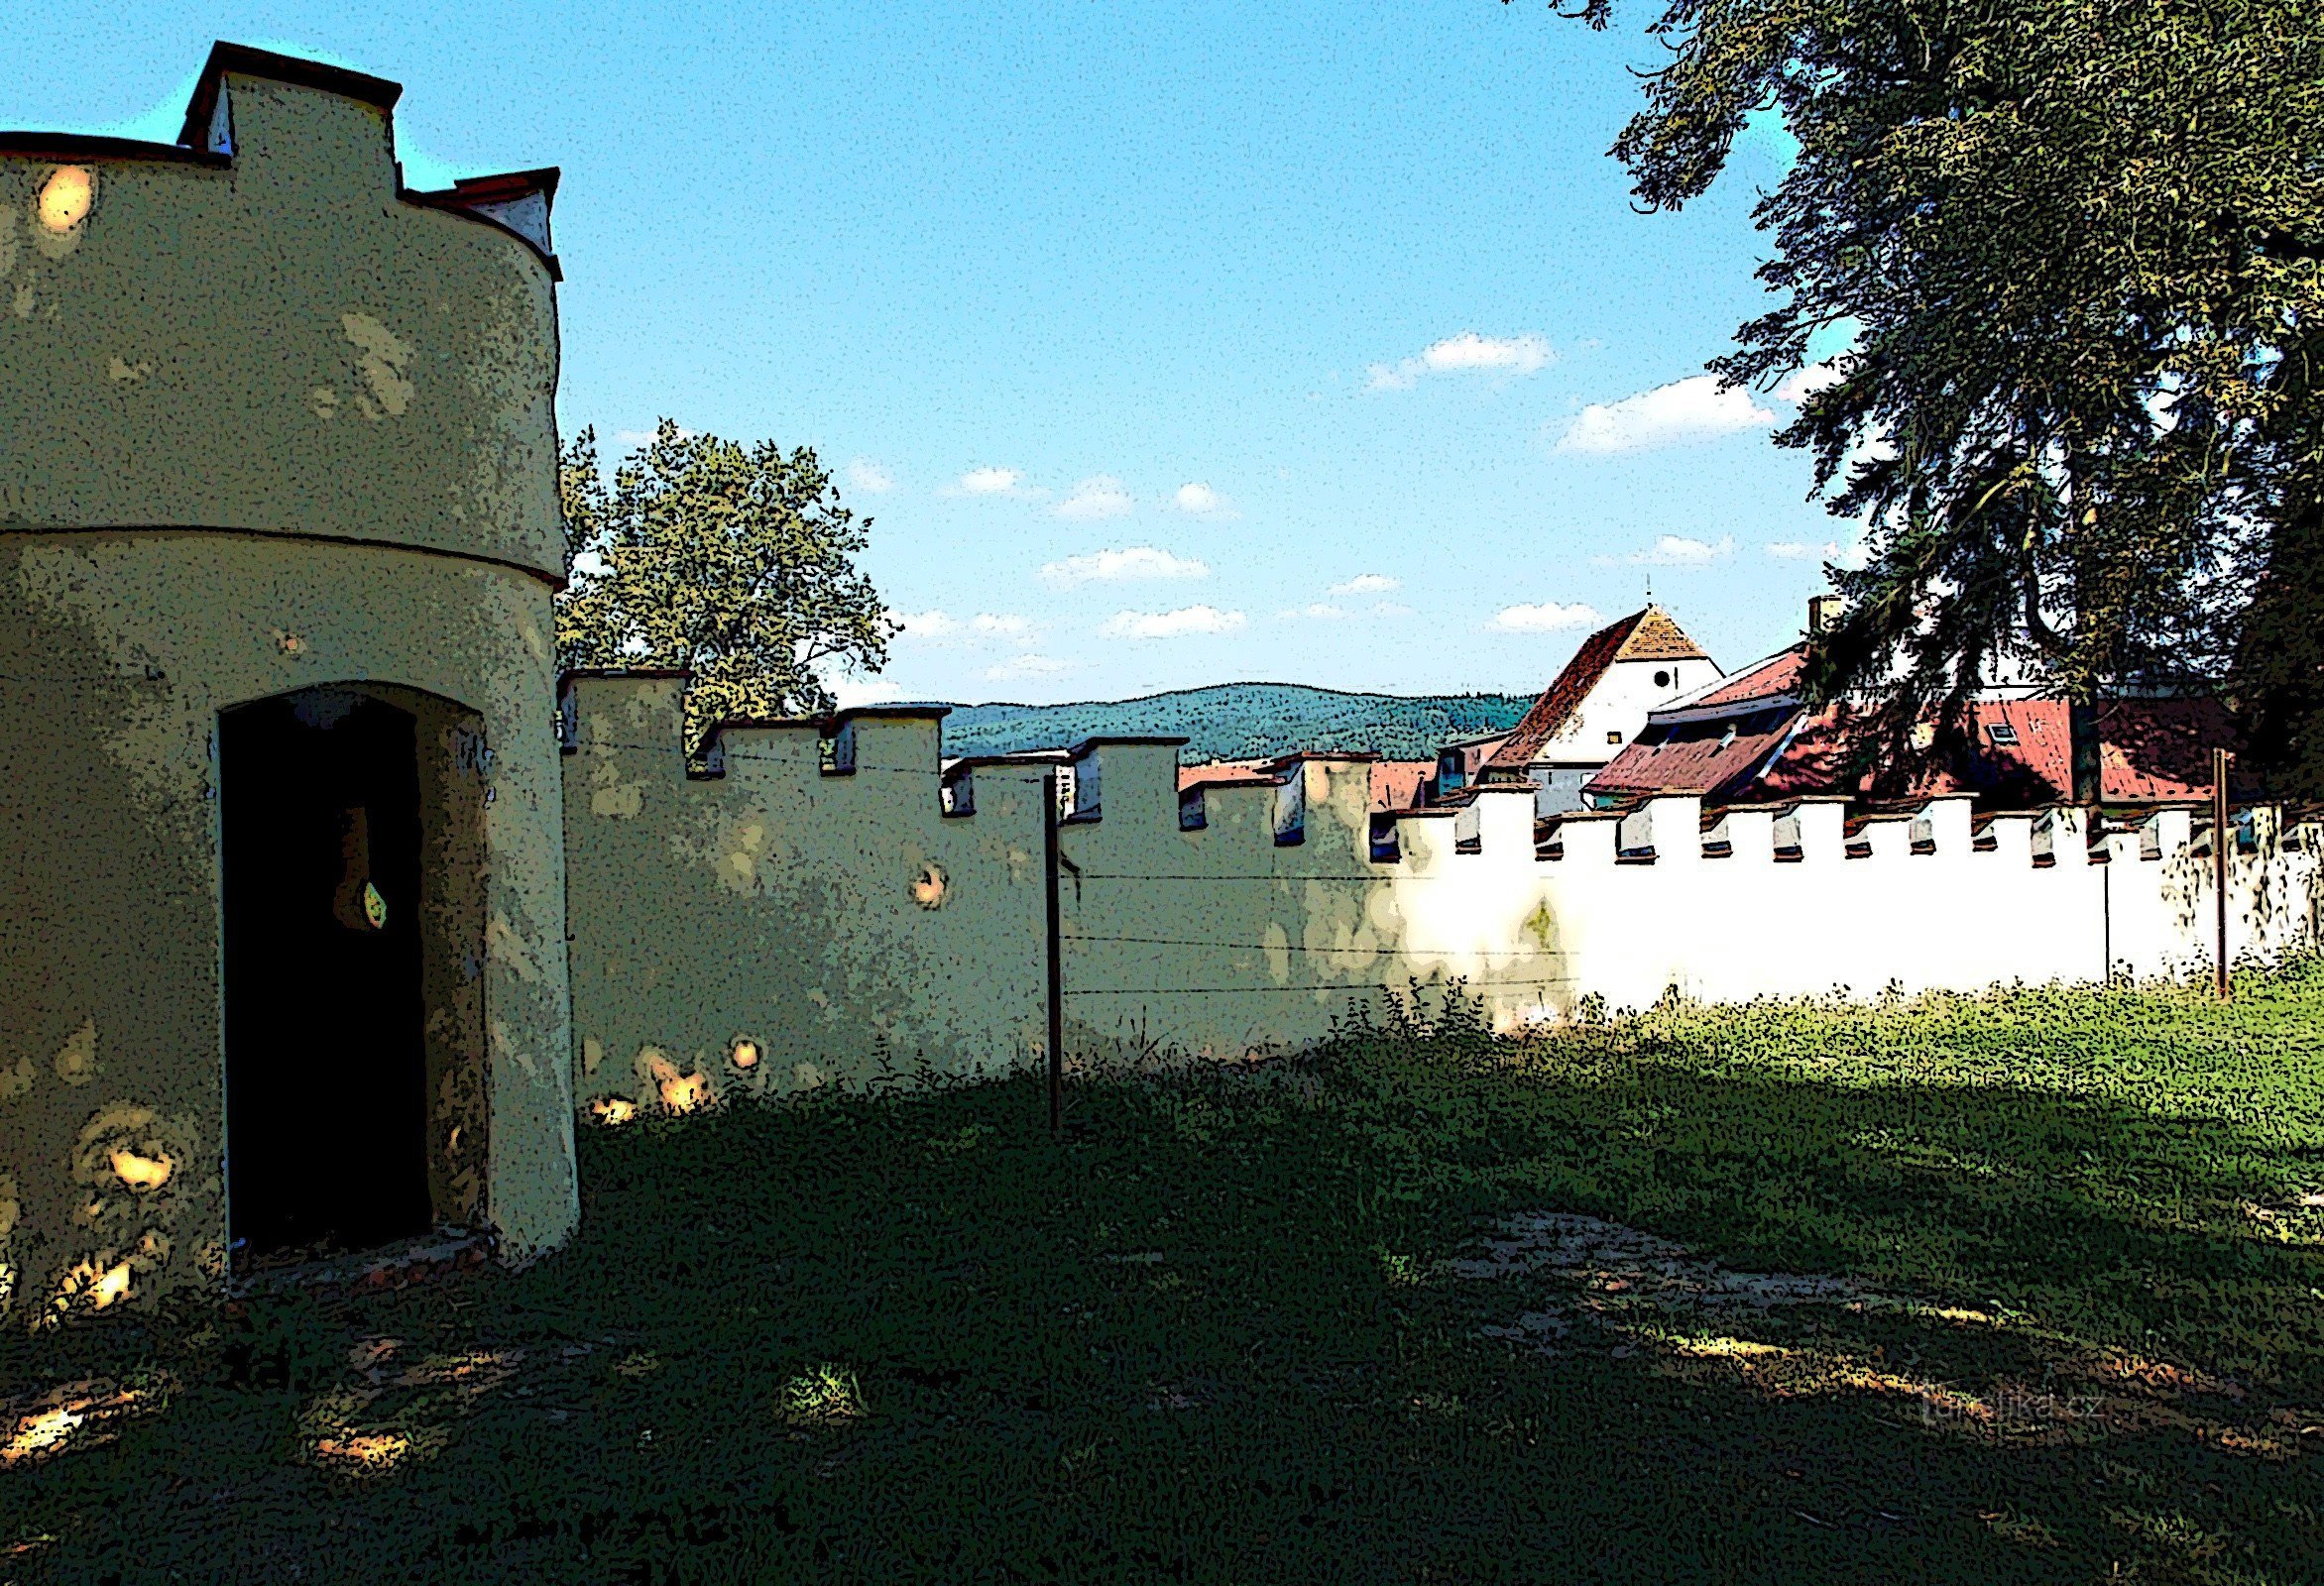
[
  {"x": 2219, "y": 839},
  {"x": 1056, "y": 964}
]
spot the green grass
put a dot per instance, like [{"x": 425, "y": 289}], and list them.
[{"x": 1218, "y": 1332}]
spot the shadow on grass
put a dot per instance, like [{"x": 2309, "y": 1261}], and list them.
[{"x": 1214, "y": 1334}]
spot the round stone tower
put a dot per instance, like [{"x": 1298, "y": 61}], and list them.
[{"x": 282, "y": 933}]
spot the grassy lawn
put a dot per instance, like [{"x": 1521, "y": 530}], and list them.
[{"x": 2019, "y": 1287}]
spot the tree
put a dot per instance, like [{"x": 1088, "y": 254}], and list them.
[
  {"x": 2081, "y": 247},
  {"x": 732, "y": 564}
]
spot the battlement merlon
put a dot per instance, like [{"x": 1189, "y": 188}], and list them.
[{"x": 1128, "y": 777}]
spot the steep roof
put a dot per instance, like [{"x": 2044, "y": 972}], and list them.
[
  {"x": 2159, "y": 750},
  {"x": 1655, "y": 635},
  {"x": 1651, "y": 634}
]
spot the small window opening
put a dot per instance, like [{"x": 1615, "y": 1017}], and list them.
[
  {"x": 2000, "y": 732},
  {"x": 1661, "y": 679},
  {"x": 1384, "y": 847}
]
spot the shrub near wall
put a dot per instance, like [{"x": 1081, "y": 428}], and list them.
[{"x": 804, "y": 914}]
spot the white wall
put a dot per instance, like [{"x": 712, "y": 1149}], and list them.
[{"x": 1223, "y": 942}]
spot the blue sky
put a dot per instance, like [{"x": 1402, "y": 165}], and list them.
[{"x": 1165, "y": 344}]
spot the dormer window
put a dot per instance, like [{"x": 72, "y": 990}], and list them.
[{"x": 2002, "y": 733}]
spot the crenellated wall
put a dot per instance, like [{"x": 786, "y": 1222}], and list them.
[
  {"x": 1256, "y": 928},
  {"x": 806, "y": 914},
  {"x": 790, "y": 900}
]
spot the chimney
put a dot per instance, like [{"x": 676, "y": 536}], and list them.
[{"x": 1823, "y": 612}]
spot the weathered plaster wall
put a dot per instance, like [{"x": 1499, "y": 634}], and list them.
[
  {"x": 1221, "y": 940},
  {"x": 277, "y": 345},
  {"x": 116, "y": 655},
  {"x": 263, "y": 426},
  {"x": 840, "y": 924}
]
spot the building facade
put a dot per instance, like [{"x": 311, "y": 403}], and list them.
[{"x": 1586, "y": 716}]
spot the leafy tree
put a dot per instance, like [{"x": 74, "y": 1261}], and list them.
[
  {"x": 2080, "y": 248},
  {"x": 731, "y": 563}
]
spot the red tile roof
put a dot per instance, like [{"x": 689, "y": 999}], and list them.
[
  {"x": 1776, "y": 677},
  {"x": 1702, "y": 757},
  {"x": 2159, "y": 750},
  {"x": 1647, "y": 635},
  {"x": 1227, "y": 773},
  {"x": 2038, "y": 768},
  {"x": 2151, "y": 750},
  {"x": 1396, "y": 784}
]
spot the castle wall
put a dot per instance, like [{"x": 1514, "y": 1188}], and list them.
[
  {"x": 835, "y": 927},
  {"x": 1245, "y": 933},
  {"x": 775, "y": 904}
]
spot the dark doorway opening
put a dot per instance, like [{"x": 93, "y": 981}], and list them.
[{"x": 326, "y": 1064}]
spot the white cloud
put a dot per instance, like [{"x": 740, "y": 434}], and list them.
[
  {"x": 1202, "y": 501},
  {"x": 987, "y": 482},
  {"x": 1026, "y": 666},
  {"x": 1796, "y": 550},
  {"x": 1100, "y": 497},
  {"x": 1171, "y": 624},
  {"x": 1677, "y": 550},
  {"x": 852, "y": 691},
  {"x": 1681, "y": 413},
  {"x": 927, "y": 624},
  {"x": 1366, "y": 583},
  {"x": 1804, "y": 382},
  {"x": 940, "y": 627},
  {"x": 1326, "y": 611},
  {"x": 870, "y": 478},
  {"x": 639, "y": 437},
  {"x": 1547, "y": 617},
  {"x": 1466, "y": 353},
  {"x": 1116, "y": 567}
]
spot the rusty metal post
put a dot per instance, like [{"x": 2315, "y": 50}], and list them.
[
  {"x": 2219, "y": 839},
  {"x": 1056, "y": 964}
]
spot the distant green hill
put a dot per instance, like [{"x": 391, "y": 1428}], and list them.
[{"x": 1242, "y": 720}]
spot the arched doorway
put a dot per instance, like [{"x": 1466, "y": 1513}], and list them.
[{"x": 351, "y": 826}]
